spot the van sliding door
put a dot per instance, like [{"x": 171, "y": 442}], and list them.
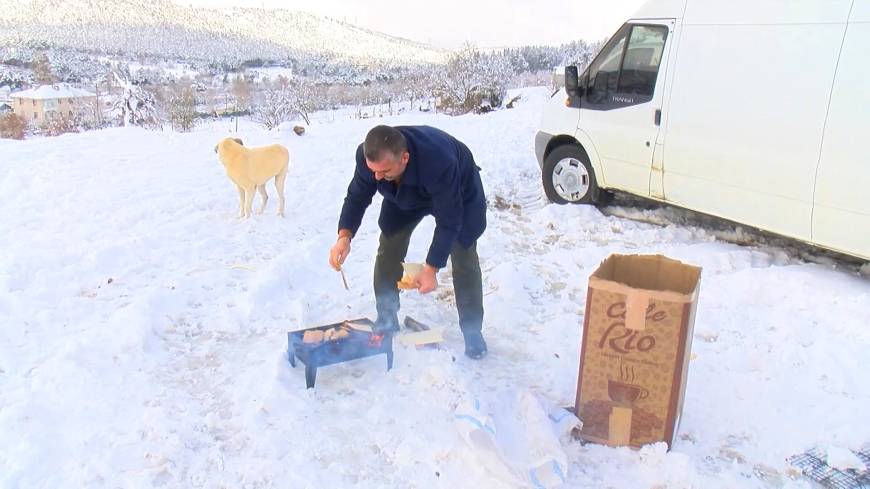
[
  {"x": 746, "y": 111},
  {"x": 841, "y": 210},
  {"x": 622, "y": 92}
]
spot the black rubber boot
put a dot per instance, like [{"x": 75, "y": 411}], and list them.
[{"x": 475, "y": 345}]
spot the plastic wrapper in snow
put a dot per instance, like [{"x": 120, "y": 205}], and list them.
[{"x": 517, "y": 437}]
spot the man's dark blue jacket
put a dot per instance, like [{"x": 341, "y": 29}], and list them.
[{"x": 441, "y": 180}]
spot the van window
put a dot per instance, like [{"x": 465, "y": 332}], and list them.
[
  {"x": 626, "y": 75},
  {"x": 603, "y": 73},
  {"x": 641, "y": 63}
]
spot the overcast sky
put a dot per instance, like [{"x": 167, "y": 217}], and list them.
[{"x": 449, "y": 23}]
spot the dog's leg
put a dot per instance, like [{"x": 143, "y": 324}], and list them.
[
  {"x": 249, "y": 199},
  {"x": 241, "y": 201},
  {"x": 279, "y": 187},
  {"x": 264, "y": 195}
]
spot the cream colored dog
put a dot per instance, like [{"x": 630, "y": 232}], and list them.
[{"x": 251, "y": 168}]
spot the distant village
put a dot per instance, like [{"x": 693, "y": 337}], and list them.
[{"x": 36, "y": 100}]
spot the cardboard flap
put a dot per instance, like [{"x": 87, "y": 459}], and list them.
[
  {"x": 620, "y": 426},
  {"x": 636, "y": 303},
  {"x": 660, "y": 277}
]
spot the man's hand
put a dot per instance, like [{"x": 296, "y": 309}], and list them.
[
  {"x": 426, "y": 281},
  {"x": 339, "y": 252}
]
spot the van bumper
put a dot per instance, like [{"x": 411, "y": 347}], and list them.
[{"x": 542, "y": 139}]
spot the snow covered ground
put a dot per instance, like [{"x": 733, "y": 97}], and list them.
[{"x": 143, "y": 327}]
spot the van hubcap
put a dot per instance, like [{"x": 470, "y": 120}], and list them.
[{"x": 570, "y": 179}]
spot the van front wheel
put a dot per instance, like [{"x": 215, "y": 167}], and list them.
[{"x": 568, "y": 178}]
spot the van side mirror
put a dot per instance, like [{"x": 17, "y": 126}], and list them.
[{"x": 572, "y": 81}]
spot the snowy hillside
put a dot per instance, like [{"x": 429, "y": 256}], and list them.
[
  {"x": 165, "y": 29},
  {"x": 144, "y": 327}
]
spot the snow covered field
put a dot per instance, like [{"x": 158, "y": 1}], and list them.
[{"x": 143, "y": 327}]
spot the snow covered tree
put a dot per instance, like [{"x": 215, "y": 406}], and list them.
[
  {"x": 496, "y": 72},
  {"x": 42, "y": 70},
  {"x": 14, "y": 77},
  {"x": 135, "y": 105},
  {"x": 303, "y": 98},
  {"x": 284, "y": 98},
  {"x": 181, "y": 109},
  {"x": 274, "y": 104},
  {"x": 472, "y": 78},
  {"x": 517, "y": 61},
  {"x": 242, "y": 92},
  {"x": 334, "y": 96},
  {"x": 459, "y": 81},
  {"x": 61, "y": 124},
  {"x": 580, "y": 53},
  {"x": 212, "y": 100},
  {"x": 74, "y": 67},
  {"x": 417, "y": 85}
]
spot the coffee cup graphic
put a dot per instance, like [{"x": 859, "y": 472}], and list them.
[{"x": 625, "y": 394}]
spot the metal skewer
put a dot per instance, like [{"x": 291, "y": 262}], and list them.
[{"x": 343, "y": 279}]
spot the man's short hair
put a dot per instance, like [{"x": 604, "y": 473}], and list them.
[{"x": 384, "y": 139}]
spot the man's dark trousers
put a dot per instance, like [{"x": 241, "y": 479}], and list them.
[{"x": 467, "y": 282}]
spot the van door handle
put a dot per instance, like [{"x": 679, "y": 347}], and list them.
[{"x": 658, "y": 117}]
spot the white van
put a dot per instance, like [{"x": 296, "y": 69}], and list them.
[{"x": 750, "y": 110}]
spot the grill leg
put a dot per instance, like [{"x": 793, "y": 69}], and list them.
[
  {"x": 292, "y": 357},
  {"x": 310, "y": 374},
  {"x": 389, "y": 360}
]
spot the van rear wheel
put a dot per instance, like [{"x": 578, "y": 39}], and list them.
[{"x": 569, "y": 179}]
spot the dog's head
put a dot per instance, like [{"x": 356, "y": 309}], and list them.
[{"x": 236, "y": 140}]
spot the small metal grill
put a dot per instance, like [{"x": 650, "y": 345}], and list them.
[
  {"x": 812, "y": 464},
  {"x": 356, "y": 344}
]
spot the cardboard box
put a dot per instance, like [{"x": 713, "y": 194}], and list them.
[{"x": 637, "y": 335}]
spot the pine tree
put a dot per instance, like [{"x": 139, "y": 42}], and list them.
[{"x": 42, "y": 70}]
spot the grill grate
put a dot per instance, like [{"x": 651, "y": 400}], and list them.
[{"x": 812, "y": 464}]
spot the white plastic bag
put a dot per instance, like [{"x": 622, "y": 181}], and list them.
[{"x": 516, "y": 437}]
